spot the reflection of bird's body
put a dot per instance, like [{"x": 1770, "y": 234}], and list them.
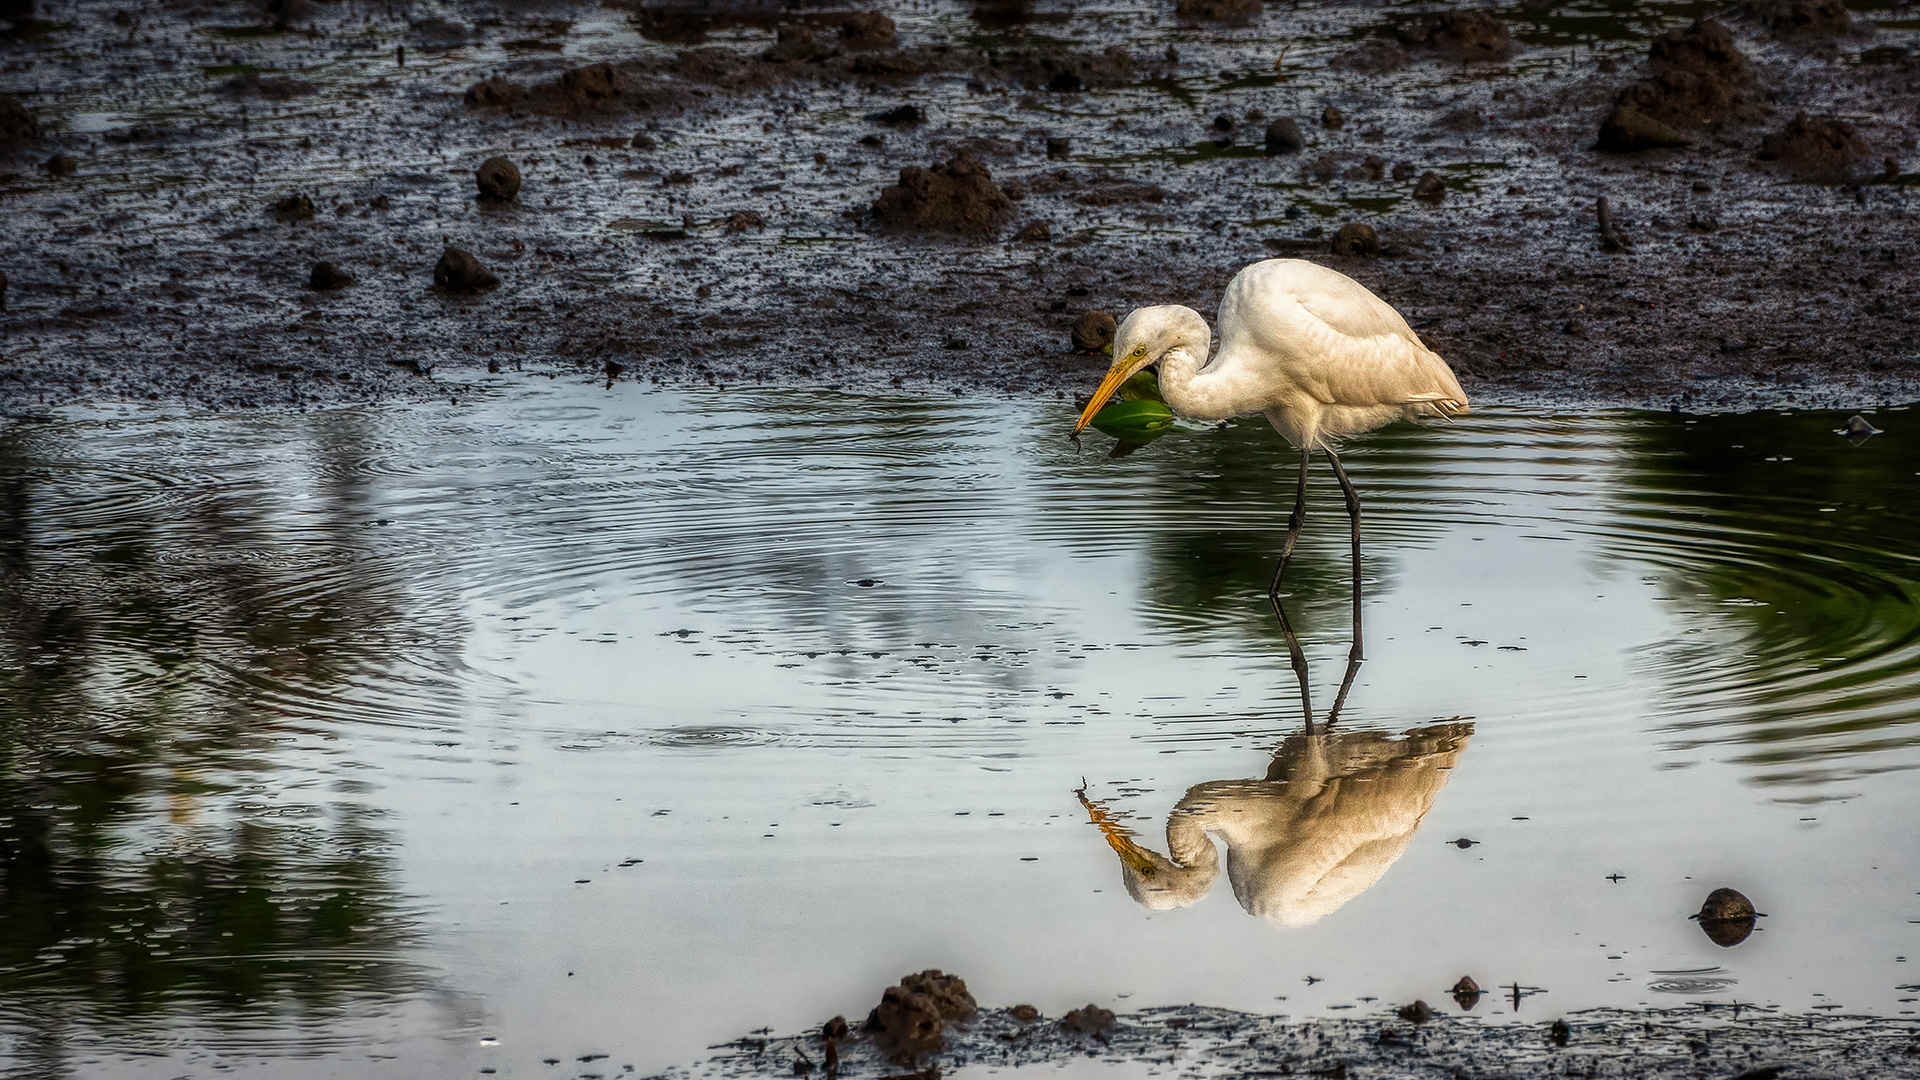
[
  {"x": 1311, "y": 348},
  {"x": 1334, "y": 812}
]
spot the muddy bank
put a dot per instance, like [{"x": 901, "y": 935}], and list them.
[
  {"x": 931, "y": 197},
  {"x": 1754, "y": 1044}
]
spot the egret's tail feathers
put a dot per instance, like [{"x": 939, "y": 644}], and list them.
[{"x": 1445, "y": 406}]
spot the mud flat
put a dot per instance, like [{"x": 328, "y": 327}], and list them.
[
  {"x": 931, "y": 196},
  {"x": 1192, "y": 1040}
]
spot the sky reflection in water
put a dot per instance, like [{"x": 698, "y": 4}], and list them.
[{"x": 623, "y": 722}]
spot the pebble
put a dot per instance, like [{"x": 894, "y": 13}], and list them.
[
  {"x": 459, "y": 271},
  {"x": 1283, "y": 136},
  {"x": 643, "y": 141},
  {"x": 1333, "y": 119},
  {"x": 745, "y": 220},
  {"x": 61, "y": 165},
  {"x": 1357, "y": 239},
  {"x": 326, "y": 277},
  {"x": 295, "y": 207},
  {"x": 497, "y": 178},
  {"x": 1430, "y": 186},
  {"x": 1417, "y": 1013},
  {"x": 1094, "y": 331}
]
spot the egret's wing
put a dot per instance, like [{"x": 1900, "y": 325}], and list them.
[{"x": 1355, "y": 349}]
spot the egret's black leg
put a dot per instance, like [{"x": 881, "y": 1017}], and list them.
[
  {"x": 1353, "y": 511},
  {"x": 1346, "y": 684},
  {"x": 1295, "y": 521},
  {"x": 1299, "y": 660}
]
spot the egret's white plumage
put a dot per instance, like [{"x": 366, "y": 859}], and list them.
[{"x": 1311, "y": 348}]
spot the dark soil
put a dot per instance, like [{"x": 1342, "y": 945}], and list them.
[{"x": 1069, "y": 160}]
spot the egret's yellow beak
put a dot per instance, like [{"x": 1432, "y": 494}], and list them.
[
  {"x": 1117, "y": 838},
  {"x": 1122, "y": 370}
]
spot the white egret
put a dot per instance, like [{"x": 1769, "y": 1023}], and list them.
[{"x": 1311, "y": 348}]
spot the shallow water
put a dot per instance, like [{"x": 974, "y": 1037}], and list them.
[{"x": 575, "y": 721}]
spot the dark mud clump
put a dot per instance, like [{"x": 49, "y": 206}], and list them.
[
  {"x": 497, "y": 178},
  {"x": 61, "y": 165},
  {"x": 864, "y": 31},
  {"x": 1820, "y": 151},
  {"x": 899, "y": 116},
  {"x": 581, "y": 90},
  {"x": 1468, "y": 35},
  {"x": 1034, "y": 232},
  {"x": 1223, "y": 11},
  {"x": 326, "y": 277},
  {"x": 746, "y": 221},
  {"x": 495, "y": 93},
  {"x": 1091, "y": 1020},
  {"x": 1283, "y": 136},
  {"x": 16, "y": 123},
  {"x": 1374, "y": 56},
  {"x": 957, "y": 197},
  {"x": 1093, "y": 332},
  {"x": 459, "y": 272},
  {"x": 910, "y": 1021},
  {"x": 1356, "y": 240},
  {"x": 792, "y": 45},
  {"x": 1431, "y": 187},
  {"x": 295, "y": 207},
  {"x": 1698, "y": 81},
  {"x": 1788, "y": 17}
]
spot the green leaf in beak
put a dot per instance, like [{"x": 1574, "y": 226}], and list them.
[{"x": 1137, "y": 421}]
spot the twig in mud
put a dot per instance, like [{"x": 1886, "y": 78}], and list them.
[{"x": 1610, "y": 239}]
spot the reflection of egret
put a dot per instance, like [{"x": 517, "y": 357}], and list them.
[
  {"x": 1335, "y": 810},
  {"x": 1311, "y": 348}
]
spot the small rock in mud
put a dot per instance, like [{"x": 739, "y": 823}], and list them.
[
  {"x": 459, "y": 272},
  {"x": 1466, "y": 993},
  {"x": 1799, "y": 16},
  {"x": 16, "y": 123},
  {"x": 1356, "y": 240},
  {"x": 295, "y": 207},
  {"x": 1727, "y": 917},
  {"x": 1034, "y": 232},
  {"x": 910, "y": 1021},
  {"x": 1431, "y": 187},
  {"x": 1704, "y": 47},
  {"x": 60, "y": 165},
  {"x": 1025, "y": 1014},
  {"x": 1417, "y": 1013},
  {"x": 1470, "y": 35},
  {"x": 1059, "y": 147},
  {"x": 899, "y": 116},
  {"x": 1824, "y": 151},
  {"x": 494, "y": 93},
  {"x": 642, "y": 141},
  {"x": 1374, "y": 56},
  {"x": 1858, "y": 429},
  {"x": 746, "y": 221},
  {"x": 1089, "y": 1020},
  {"x": 864, "y": 31},
  {"x": 1094, "y": 331},
  {"x": 957, "y": 197},
  {"x": 278, "y": 88},
  {"x": 1333, "y": 119},
  {"x": 497, "y": 178},
  {"x": 1225, "y": 11},
  {"x": 1559, "y": 1033},
  {"x": 1283, "y": 136},
  {"x": 1627, "y": 130},
  {"x": 326, "y": 277}
]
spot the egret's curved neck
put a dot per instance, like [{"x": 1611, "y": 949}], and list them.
[{"x": 1212, "y": 396}]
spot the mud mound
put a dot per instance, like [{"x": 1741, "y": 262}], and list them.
[
  {"x": 1704, "y": 48},
  {"x": 1374, "y": 56},
  {"x": 1822, "y": 151},
  {"x": 720, "y": 67},
  {"x": 1469, "y": 35},
  {"x": 910, "y": 1021},
  {"x": 1699, "y": 80},
  {"x": 16, "y": 123},
  {"x": 1225, "y": 11},
  {"x": 863, "y": 31},
  {"x": 459, "y": 272},
  {"x": 494, "y": 93},
  {"x": 497, "y": 178},
  {"x": 1068, "y": 71},
  {"x": 957, "y": 197},
  {"x": 1787, "y": 17}
]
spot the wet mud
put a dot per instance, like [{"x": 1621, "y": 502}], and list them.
[
  {"x": 1415, "y": 1041},
  {"x": 932, "y": 196}
]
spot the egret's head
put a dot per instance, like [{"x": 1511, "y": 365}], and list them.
[{"x": 1143, "y": 338}]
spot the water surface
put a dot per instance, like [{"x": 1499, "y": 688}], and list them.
[{"x": 578, "y": 721}]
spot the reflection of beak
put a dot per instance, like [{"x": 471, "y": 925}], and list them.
[
  {"x": 1117, "y": 838},
  {"x": 1120, "y": 372}
]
